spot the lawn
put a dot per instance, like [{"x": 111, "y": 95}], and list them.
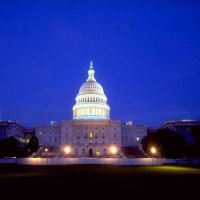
[{"x": 99, "y": 181}]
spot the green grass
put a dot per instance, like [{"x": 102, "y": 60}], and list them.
[
  {"x": 106, "y": 181},
  {"x": 31, "y": 171}
]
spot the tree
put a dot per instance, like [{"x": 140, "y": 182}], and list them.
[
  {"x": 168, "y": 143},
  {"x": 10, "y": 147},
  {"x": 31, "y": 147},
  {"x": 195, "y": 148}
]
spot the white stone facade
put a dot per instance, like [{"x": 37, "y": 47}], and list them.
[
  {"x": 91, "y": 137},
  {"x": 91, "y": 132},
  {"x": 11, "y": 128},
  {"x": 48, "y": 135},
  {"x": 131, "y": 135}
]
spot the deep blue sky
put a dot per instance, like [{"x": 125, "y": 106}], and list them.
[{"x": 146, "y": 57}]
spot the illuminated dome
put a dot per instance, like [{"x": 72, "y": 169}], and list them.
[{"x": 91, "y": 102}]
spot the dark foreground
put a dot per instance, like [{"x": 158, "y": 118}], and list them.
[{"x": 99, "y": 182}]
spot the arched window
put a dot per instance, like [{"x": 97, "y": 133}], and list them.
[
  {"x": 90, "y": 152},
  {"x": 76, "y": 152},
  {"x": 83, "y": 152}
]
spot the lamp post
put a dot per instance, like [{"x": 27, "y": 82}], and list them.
[
  {"x": 46, "y": 151},
  {"x": 113, "y": 150},
  {"x": 67, "y": 150},
  {"x": 153, "y": 150}
]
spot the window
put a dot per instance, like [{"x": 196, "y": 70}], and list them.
[
  {"x": 83, "y": 152},
  {"x": 91, "y": 136},
  {"x": 76, "y": 152},
  {"x": 97, "y": 152}
]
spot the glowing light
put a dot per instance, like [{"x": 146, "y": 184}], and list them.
[
  {"x": 91, "y": 136},
  {"x": 46, "y": 150},
  {"x": 137, "y": 138},
  {"x": 67, "y": 149},
  {"x": 113, "y": 150},
  {"x": 97, "y": 152},
  {"x": 91, "y": 102},
  {"x": 153, "y": 150},
  {"x": 91, "y": 64}
]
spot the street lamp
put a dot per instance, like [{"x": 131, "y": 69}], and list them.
[
  {"x": 153, "y": 150},
  {"x": 67, "y": 150},
  {"x": 113, "y": 150},
  {"x": 46, "y": 150}
]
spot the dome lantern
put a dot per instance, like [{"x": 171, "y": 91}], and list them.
[{"x": 91, "y": 73}]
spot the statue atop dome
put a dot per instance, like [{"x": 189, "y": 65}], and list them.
[
  {"x": 91, "y": 64},
  {"x": 91, "y": 73}
]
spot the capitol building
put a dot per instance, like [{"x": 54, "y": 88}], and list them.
[{"x": 91, "y": 132}]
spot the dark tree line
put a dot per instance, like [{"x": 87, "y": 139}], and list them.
[
  {"x": 11, "y": 147},
  {"x": 171, "y": 144},
  {"x": 195, "y": 148}
]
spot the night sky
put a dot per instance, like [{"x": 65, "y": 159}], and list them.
[{"x": 146, "y": 57}]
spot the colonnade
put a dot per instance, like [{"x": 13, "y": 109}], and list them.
[{"x": 91, "y": 111}]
